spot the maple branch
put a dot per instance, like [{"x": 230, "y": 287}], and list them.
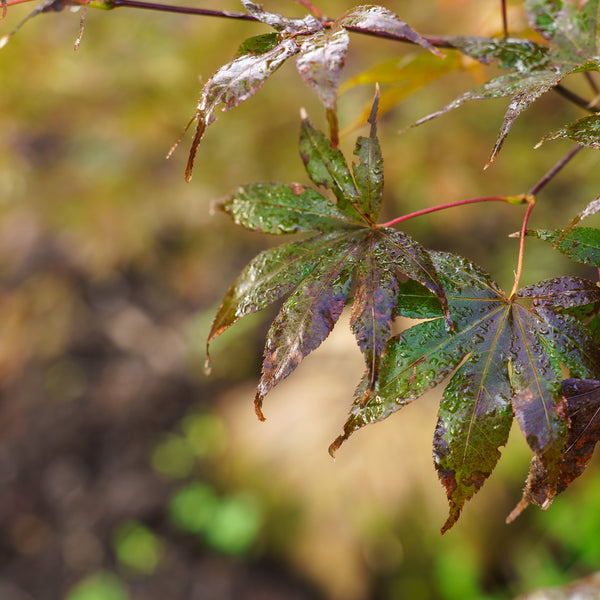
[
  {"x": 226, "y": 14},
  {"x": 504, "y": 19},
  {"x": 425, "y": 211},
  {"x": 554, "y": 171},
  {"x": 576, "y": 99}
]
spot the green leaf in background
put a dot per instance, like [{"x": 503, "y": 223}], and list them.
[
  {"x": 229, "y": 524},
  {"x": 572, "y": 34},
  {"x": 580, "y": 244},
  {"x": 137, "y": 547},
  {"x": 511, "y": 351},
  {"x": 346, "y": 251},
  {"x": 99, "y": 586}
]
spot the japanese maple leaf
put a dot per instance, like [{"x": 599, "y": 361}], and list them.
[
  {"x": 571, "y": 30},
  {"x": 344, "y": 255},
  {"x": 505, "y": 357},
  {"x": 321, "y": 54},
  {"x": 582, "y": 398}
]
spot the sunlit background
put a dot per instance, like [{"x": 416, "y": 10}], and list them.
[{"x": 125, "y": 472}]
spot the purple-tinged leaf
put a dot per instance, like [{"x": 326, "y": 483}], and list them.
[
  {"x": 317, "y": 275},
  {"x": 511, "y": 351},
  {"x": 537, "y": 403},
  {"x": 320, "y": 63},
  {"x": 233, "y": 84},
  {"x": 374, "y": 303},
  {"x": 327, "y": 167},
  {"x": 381, "y": 21},
  {"x": 474, "y": 420},
  {"x": 307, "y": 25},
  {"x": 420, "y": 358},
  {"x": 307, "y": 317},
  {"x": 582, "y": 397},
  {"x": 586, "y": 132},
  {"x": 387, "y": 256},
  {"x": 270, "y": 276},
  {"x": 580, "y": 244},
  {"x": 525, "y": 89},
  {"x": 563, "y": 292},
  {"x": 280, "y": 208}
]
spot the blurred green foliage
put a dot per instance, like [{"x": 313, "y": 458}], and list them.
[{"x": 99, "y": 586}]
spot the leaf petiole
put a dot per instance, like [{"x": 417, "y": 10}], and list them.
[{"x": 521, "y": 199}]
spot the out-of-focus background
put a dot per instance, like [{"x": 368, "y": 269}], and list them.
[{"x": 125, "y": 472}]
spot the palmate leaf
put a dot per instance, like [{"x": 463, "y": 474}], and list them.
[
  {"x": 321, "y": 57},
  {"x": 571, "y": 29},
  {"x": 582, "y": 397},
  {"x": 344, "y": 252},
  {"x": 504, "y": 356}
]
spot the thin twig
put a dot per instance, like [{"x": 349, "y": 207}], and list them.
[
  {"x": 534, "y": 191},
  {"x": 504, "y": 19},
  {"x": 426, "y": 211},
  {"x": 576, "y": 99},
  {"x": 188, "y": 10},
  {"x": 312, "y": 8},
  {"x": 531, "y": 195},
  {"x": 519, "y": 269}
]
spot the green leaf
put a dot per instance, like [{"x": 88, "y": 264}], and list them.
[
  {"x": 327, "y": 167},
  {"x": 504, "y": 356},
  {"x": 259, "y": 44},
  {"x": 368, "y": 172},
  {"x": 524, "y": 89},
  {"x": 280, "y": 208},
  {"x": 580, "y": 244},
  {"x": 348, "y": 256},
  {"x": 572, "y": 31},
  {"x": 586, "y": 132},
  {"x": 570, "y": 25},
  {"x": 322, "y": 57}
]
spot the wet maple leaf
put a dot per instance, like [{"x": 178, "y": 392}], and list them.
[
  {"x": 571, "y": 30},
  {"x": 321, "y": 55},
  {"x": 582, "y": 398},
  {"x": 345, "y": 255},
  {"x": 504, "y": 356}
]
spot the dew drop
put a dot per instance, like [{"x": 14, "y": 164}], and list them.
[{"x": 207, "y": 366}]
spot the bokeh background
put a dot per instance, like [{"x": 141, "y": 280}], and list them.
[{"x": 125, "y": 472}]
